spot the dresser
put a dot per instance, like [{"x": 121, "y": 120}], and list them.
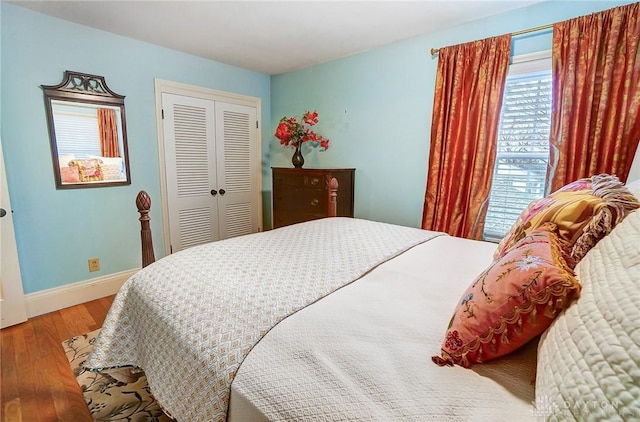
[{"x": 300, "y": 194}]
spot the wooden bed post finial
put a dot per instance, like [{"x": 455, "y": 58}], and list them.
[
  {"x": 332, "y": 187},
  {"x": 143, "y": 202}
]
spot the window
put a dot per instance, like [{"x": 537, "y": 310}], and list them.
[
  {"x": 76, "y": 126},
  {"x": 523, "y": 143}
]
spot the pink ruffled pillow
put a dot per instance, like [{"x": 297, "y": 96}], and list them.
[
  {"x": 69, "y": 174},
  {"x": 512, "y": 301}
]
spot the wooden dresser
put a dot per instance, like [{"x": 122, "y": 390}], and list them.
[{"x": 300, "y": 194}]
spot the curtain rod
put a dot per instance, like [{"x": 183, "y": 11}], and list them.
[{"x": 434, "y": 51}]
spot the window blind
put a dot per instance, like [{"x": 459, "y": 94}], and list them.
[
  {"x": 522, "y": 151},
  {"x": 77, "y": 134}
]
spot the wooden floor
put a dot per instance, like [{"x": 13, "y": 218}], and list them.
[{"x": 37, "y": 384}]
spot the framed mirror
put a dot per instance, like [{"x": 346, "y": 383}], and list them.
[{"x": 88, "y": 132}]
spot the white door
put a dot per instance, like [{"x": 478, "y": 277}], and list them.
[
  {"x": 212, "y": 170},
  {"x": 237, "y": 170},
  {"x": 189, "y": 132},
  {"x": 12, "y": 305}
]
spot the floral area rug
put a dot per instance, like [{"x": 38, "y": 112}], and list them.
[{"x": 112, "y": 395}]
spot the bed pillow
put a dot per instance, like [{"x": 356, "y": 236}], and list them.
[
  {"x": 69, "y": 174},
  {"x": 112, "y": 172},
  {"x": 584, "y": 211},
  {"x": 634, "y": 188},
  {"x": 88, "y": 170},
  {"x": 110, "y": 161},
  {"x": 512, "y": 301},
  {"x": 63, "y": 160},
  {"x": 589, "y": 358}
]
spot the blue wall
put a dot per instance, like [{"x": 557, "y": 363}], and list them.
[
  {"x": 58, "y": 230},
  {"x": 376, "y": 107}
]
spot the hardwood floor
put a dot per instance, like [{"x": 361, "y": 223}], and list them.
[{"x": 37, "y": 382}]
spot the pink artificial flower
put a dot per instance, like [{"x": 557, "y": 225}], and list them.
[
  {"x": 310, "y": 118},
  {"x": 292, "y": 132},
  {"x": 282, "y": 132}
]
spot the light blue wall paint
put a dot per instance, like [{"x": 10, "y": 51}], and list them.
[
  {"x": 376, "y": 107},
  {"x": 58, "y": 230}
]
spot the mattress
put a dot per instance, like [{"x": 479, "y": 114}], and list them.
[
  {"x": 190, "y": 319},
  {"x": 364, "y": 352}
]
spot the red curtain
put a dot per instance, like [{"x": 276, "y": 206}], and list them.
[
  {"x": 108, "y": 129},
  {"x": 596, "y": 95},
  {"x": 469, "y": 88}
]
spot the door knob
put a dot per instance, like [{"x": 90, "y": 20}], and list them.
[
  {"x": 214, "y": 192},
  {"x": 3, "y": 212},
  {"x": 222, "y": 191}
]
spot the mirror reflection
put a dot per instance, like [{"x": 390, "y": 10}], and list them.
[{"x": 88, "y": 132}]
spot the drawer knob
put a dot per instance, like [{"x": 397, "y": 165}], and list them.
[
  {"x": 314, "y": 181},
  {"x": 315, "y": 202}
]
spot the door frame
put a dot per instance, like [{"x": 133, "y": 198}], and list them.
[
  {"x": 12, "y": 302},
  {"x": 169, "y": 87}
]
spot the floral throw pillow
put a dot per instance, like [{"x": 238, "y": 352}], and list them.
[
  {"x": 512, "y": 301},
  {"x": 88, "y": 170},
  {"x": 584, "y": 211}
]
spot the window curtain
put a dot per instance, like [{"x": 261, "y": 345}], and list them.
[
  {"x": 470, "y": 82},
  {"x": 108, "y": 129},
  {"x": 596, "y": 95}
]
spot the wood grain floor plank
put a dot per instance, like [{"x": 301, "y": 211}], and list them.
[
  {"x": 9, "y": 391},
  {"x": 98, "y": 310},
  {"x": 37, "y": 382},
  {"x": 61, "y": 326},
  {"x": 37, "y": 363},
  {"x": 12, "y": 411},
  {"x": 24, "y": 366},
  {"x": 58, "y": 374},
  {"x": 75, "y": 319},
  {"x": 107, "y": 301},
  {"x": 69, "y": 407}
]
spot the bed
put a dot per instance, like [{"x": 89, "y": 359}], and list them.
[{"x": 339, "y": 318}]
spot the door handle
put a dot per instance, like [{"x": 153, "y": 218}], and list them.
[
  {"x": 3, "y": 212},
  {"x": 222, "y": 191},
  {"x": 214, "y": 192}
]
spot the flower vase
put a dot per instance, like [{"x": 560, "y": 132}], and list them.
[{"x": 297, "y": 159}]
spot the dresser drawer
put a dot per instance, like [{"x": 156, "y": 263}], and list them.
[
  {"x": 301, "y": 180},
  {"x": 302, "y": 200},
  {"x": 302, "y": 194}
]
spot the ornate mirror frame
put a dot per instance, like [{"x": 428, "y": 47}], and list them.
[{"x": 88, "y": 132}]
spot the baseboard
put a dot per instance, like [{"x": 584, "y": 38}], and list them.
[{"x": 51, "y": 300}]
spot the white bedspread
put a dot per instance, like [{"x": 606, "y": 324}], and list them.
[
  {"x": 589, "y": 359},
  {"x": 364, "y": 352},
  {"x": 191, "y": 318}
]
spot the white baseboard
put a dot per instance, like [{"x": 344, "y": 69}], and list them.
[{"x": 51, "y": 300}]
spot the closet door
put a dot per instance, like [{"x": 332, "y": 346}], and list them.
[
  {"x": 237, "y": 166},
  {"x": 190, "y": 164}
]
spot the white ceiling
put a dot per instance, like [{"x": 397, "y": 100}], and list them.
[{"x": 272, "y": 36}]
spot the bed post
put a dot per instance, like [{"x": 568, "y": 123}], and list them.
[
  {"x": 143, "y": 202},
  {"x": 332, "y": 188}
]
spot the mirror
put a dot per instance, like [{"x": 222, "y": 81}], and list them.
[{"x": 88, "y": 132}]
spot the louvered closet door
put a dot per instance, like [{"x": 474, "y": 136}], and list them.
[
  {"x": 237, "y": 170},
  {"x": 190, "y": 160}
]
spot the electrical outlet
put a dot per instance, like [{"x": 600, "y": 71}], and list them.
[{"x": 94, "y": 264}]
